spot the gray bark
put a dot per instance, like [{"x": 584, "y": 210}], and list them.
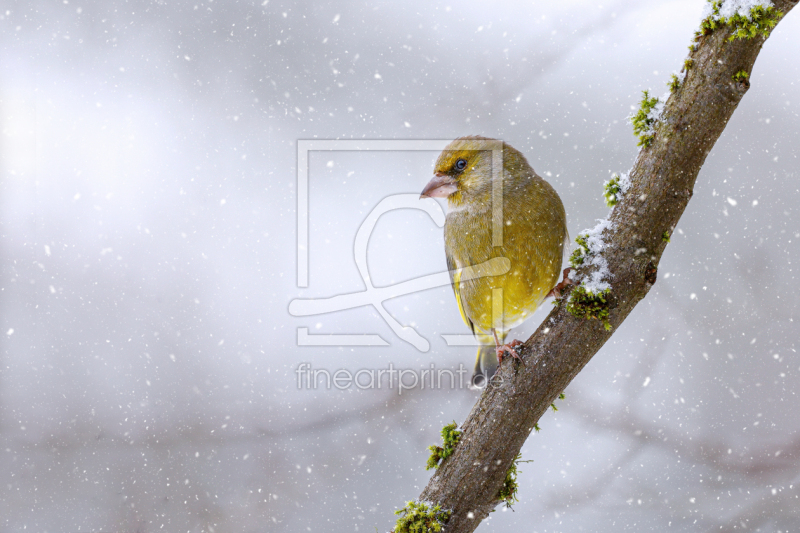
[{"x": 663, "y": 178}]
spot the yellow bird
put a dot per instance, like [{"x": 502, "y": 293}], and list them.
[{"x": 534, "y": 239}]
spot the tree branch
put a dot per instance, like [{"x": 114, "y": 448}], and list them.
[{"x": 662, "y": 180}]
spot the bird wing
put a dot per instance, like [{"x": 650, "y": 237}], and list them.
[{"x": 455, "y": 281}]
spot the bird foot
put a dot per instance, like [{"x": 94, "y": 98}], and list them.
[
  {"x": 563, "y": 284},
  {"x": 510, "y": 349}
]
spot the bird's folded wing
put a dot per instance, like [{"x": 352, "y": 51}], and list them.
[
  {"x": 455, "y": 281},
  {"x": 497, "y": 266}
]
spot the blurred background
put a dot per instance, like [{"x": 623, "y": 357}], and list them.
[{"x": 148, "y": 252}]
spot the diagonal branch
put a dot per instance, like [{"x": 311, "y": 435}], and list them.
[{"x": 662, "y": 180}]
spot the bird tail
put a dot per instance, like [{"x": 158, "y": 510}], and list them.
[{"x": 485, "y": 361}]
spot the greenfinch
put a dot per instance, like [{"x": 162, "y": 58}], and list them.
[{"x": 533, "y": 238}]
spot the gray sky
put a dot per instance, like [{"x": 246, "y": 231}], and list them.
[{"x": 149, "y": 242}]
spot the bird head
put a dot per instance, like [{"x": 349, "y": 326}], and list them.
[{"x": 462, "y": 171}]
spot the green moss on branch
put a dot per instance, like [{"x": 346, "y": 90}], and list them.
[
  {"x": 419, "y": 517},
  {"x": 612, "y": 190},
  {"x": 674, "y": 83},
  {"x": 645, "y": 120},
  {"x": 741, "y": 76},
  {"x": 450, "y": 438},
  {"x": 590, "y": 306},
  {"x": 579, "y": 254},
  {"x": 508, "y": 493},
  {"x": 759, "y": 21}
]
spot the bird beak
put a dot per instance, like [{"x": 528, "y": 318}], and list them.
[{"x": 441, "y": 186}]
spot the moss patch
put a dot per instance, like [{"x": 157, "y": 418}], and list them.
[
  {"x": 450, "y": 438},
  {"x": 674, "y": 83},
  {"x": 710, "y": 23},
  {"x": 741, "y": 76},
  {"x": 644, "y": 120},
  {"x": 612, "y": 190},
  {"x": 589, "y": 305},
  {"x": 579, "y": 254},
  {"x": 419, "y": 517},
  {"x": 508, "y": 493},
  {"x": 561, "y": 396},
  {"x": 759, "y": 21}
]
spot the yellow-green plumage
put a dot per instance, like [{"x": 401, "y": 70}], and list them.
[{"x": 533, "y": 239}]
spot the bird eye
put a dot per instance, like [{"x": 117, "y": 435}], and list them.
[{"x": 461, "y": 164}]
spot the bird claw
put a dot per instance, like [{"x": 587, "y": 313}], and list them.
[
  {"x": 563, "y": 284},
  {"x": 510, "y": 349}
]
